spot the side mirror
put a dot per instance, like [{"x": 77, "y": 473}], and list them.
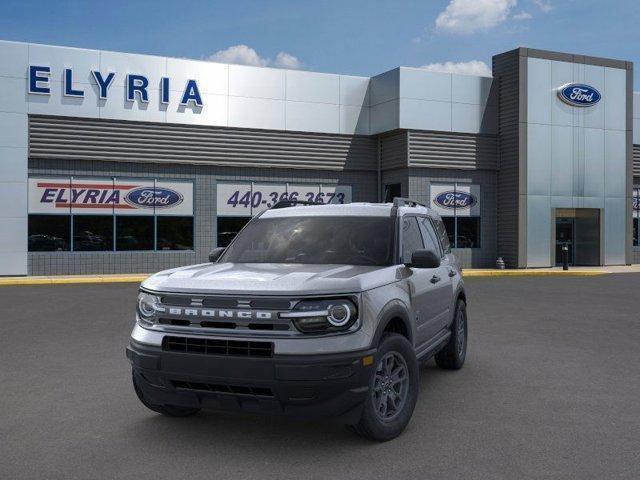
[
  {"x": 424, "y": 259},
  {"x": 215, "y": 254}
]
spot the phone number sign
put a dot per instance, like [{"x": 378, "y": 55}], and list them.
[{"x": 248, "y": 199}]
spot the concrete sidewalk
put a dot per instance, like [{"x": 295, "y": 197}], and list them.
[
  {"x": 554, "y": 271},
  {"x": 470, "y": 272}
]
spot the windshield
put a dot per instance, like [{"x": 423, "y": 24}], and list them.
[{"x": 317, "y": 240}]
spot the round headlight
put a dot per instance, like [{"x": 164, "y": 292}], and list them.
[
  {"x": 339, "y": 315},
  {"x": 323, "y": 315},
  {"x": 147, "y": 305}
]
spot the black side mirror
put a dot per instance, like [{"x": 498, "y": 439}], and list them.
[
  {"x": 424, "y": 259},
  {"x": 215, "y": 254}
]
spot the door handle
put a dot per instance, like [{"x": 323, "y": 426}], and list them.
[{"x": 435, "y": 279}]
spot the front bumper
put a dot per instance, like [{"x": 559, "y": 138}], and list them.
[{"x": 308, "y": 386}]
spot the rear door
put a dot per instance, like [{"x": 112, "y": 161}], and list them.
[
  {"x": 445, "y": 273},
  {"x": 423, "y": 283}
]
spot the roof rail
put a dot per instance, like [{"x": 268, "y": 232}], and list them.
[
  {"x": 291, "y": 203},
  {"x": 407, "y": 202}
]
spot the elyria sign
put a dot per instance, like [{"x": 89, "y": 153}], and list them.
[
  {"x": 579, "y": 95},
  {"x": 136, "y": 86},
  {"x": 451, "y": 200}
]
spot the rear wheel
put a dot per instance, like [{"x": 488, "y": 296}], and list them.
[
  {"x": 393, "y": 390},
  {"x": 169, "y": 410},
  {"x": 452, "y": 356}
]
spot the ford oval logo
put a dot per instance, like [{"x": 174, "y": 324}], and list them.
[
  {"x": 579, "y": 95},
  {"x": 149, "y": 197},
  {"x": 451, "y": 200}
]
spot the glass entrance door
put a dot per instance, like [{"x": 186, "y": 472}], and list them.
[
  {"x": 579, "y": 230},
  {"x": 565, "y": 235}
]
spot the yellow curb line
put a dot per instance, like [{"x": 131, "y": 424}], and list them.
[
  {"x": 70, "y": 280},
  {"x": 533, "y": 273}
]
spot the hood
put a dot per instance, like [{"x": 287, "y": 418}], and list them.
[{"x": 271, "y": 279}]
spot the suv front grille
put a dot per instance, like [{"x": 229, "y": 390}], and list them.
[
  {"x": 231, "y": 389},
  {"x": 207, "y": 346}
]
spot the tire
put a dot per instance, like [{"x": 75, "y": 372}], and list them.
[
  {"x": 169, "y": 410},
  {"x": 382, "y": 423},
  {"x": 452, "y": 356}
]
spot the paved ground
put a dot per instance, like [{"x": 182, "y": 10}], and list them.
[{"x": 551, "y": 390}]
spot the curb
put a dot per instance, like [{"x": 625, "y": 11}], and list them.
[
  {"x": 533, "y": 273},
  {"x": 8, "y": 281}
]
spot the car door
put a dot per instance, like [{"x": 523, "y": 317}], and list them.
[
  {"x": 446, "y": 272},
  {"x": 423, "y": 283}
]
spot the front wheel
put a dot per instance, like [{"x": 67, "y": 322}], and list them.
[
  {"x": 452, "y": 356},
  {"x": 393, "y": 390}
]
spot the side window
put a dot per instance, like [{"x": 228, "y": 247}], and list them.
[
  {"x": 411, "y": 238},
  {"x": 430, "y": 238},
  {"x": 442, "y": 234}
]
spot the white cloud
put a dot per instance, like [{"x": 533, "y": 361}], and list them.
[
  {"x": 522, "y": 16},
  {"x": 245, "y": 55},
  {"x": 543, "y": 5},
  {"x": 469, "y": 16},
  {"x": 473, "y": 67},
  {"x": 286, "y": 60},
  {"x": 240, "y": 54}
]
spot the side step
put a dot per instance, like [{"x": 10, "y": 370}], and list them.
[{"x": 430, "y": 349}]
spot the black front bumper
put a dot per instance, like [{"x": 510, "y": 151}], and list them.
[{"x": 309, "y": 386}]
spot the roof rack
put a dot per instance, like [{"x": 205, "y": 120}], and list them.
[
  {"x": 291, "y": 203},
  {"x": 407, "y": 202}
]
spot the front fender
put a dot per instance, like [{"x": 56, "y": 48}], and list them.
[{"x": 394, "y": 309}]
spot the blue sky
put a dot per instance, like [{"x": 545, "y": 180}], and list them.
[{"x": 352, "y": 37}]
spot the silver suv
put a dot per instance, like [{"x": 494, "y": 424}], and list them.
[{"x": 311, "y": 311}]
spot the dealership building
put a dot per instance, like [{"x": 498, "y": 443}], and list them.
[{"x": 117, "y": 162}]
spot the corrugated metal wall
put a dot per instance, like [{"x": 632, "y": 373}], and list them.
[
  {"x": 506, "y": 70},
  {"x": 393, "y": 150},
  {"x": 463, "y": 151},
  {"x": 116, "y": 140}
]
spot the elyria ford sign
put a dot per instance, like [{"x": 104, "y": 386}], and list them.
[
  {"x": 136, "y": 86},
  {"x": 64, "y": 195},
  {"x": 579, "y": 95},
  {"x": 455, "y": 200}
]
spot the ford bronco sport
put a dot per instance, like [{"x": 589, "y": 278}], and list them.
[{"x": 312, "y": 311}]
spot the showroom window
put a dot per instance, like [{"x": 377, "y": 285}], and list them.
[
  {"x": 175, "y": 233},
  {"x": 92, "y": 233},
  {"x": 237, "y": 203},
  {"x": 109, "y": 214},
  {"x": 49, "y": 233},
  {"x": 459, "y": 206}
]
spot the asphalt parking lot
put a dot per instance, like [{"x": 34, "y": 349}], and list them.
[{"x": 551, "y": 389}]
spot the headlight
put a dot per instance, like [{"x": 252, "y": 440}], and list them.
[
  {"x": 147, "y": 306},
  {"x": 324, "y": 315}
]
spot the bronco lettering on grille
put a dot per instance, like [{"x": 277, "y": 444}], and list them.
[{"x": 217, "y": 313}]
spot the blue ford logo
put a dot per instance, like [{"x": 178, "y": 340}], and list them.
[
  {"x": 579, "y": 95},
  {"x": 451, "y": 200},
  {"x": 149, "y": 197}
]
